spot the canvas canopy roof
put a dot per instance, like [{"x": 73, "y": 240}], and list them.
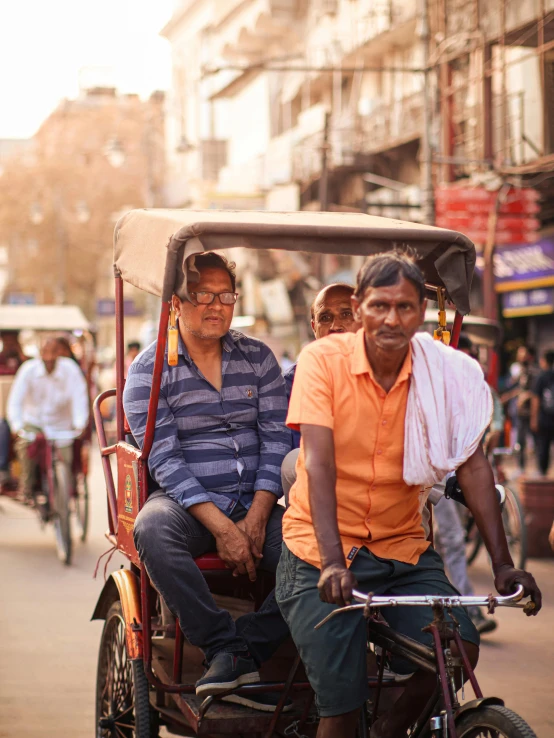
[
  {"x": 152, "y": 246},
  {"x": 42, "y": 318}
]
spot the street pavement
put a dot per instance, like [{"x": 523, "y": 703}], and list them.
[{"x": 48, "y": 646}]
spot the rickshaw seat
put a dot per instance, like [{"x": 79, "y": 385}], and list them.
[{"x": 210, "y": 562}]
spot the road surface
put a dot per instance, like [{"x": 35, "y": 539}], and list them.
[{"x": 48, "y": 646}]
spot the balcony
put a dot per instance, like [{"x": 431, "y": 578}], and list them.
[{"x": 352, "y": 139}]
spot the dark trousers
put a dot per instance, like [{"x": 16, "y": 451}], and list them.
[
  {"x": 168, "y": 539},
  {"x": 523, "y": 431},
  {"x": 5, "y": 436},
  {"x": 544, "y": 438}
]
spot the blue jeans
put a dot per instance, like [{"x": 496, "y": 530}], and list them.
[{"x": 168, "y": 539}]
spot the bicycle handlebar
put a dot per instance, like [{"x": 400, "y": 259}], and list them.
[
  {"x": 369, "y": 600},
  {"x": 426, "y": 600}
]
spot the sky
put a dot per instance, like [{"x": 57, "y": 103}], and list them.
[{"x": 48, "y": 46}]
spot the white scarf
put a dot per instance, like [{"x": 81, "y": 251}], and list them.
[{"x": 449, "y": 408}]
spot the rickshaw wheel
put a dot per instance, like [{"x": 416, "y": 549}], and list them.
[
  {"x": 493, "y": 720},
  {"x": 62, "y": 517},
  {"x": 82, "y": 505},
  {"x": 122, "y": 692}
]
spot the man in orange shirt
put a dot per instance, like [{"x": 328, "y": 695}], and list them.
[{"x": 353, "y": 519}]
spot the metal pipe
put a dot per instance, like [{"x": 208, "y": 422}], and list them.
[
  {"x": 456, "y": 329},
  {"x": 427, "y": 191},
  {"x": 156, "y": 381},
  {"x": 119, "y": 356},
  {"x": 106, "y": 466},
  {"x": 441, "y": 668}
]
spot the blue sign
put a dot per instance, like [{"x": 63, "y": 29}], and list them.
[
  {"x": 21, "y": 298},
  {"x": 106, "y": 308},
  {"x": 528, "y": 302},
  {"x": 523, "y": 266}
]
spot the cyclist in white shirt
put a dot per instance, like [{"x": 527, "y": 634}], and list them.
[{"x": 48, "y": 395}]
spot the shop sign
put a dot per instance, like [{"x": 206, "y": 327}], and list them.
[
  {"x": 524, "y": 266},
  {"x": 528, "y": 302},
  {"x": 106, "y": 308}
]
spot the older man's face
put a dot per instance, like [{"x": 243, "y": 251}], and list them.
[
  {"x": 206, "y": 321},
  {"x": 390, "y": 316},
  {"x": 333, "y": 313}
]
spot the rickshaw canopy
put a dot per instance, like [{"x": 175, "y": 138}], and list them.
[
  {"x": 42, "y": 318},
  {"x": 151, "y": 247}
]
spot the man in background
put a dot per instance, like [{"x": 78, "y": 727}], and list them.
[
  {"x": 331, "y": 313},
  {"x": 542, "y": 412},
  {"x": 49, "y": 395}
]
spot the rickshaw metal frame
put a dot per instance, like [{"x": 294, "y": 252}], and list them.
[{"x": 242, "y": 229}]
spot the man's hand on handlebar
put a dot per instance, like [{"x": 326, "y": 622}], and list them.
[
  {"x": 506, "y": 578},
  {"x": 336, "y": 584},
  {"x": 234, "y": 547}
]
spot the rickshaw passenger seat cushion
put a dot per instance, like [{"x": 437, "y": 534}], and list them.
[{"x": 210, "y": 562}]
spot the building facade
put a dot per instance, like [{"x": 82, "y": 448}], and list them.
[{"x": 372, "y": 105}]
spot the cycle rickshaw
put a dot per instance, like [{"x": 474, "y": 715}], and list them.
[
  {"x": 60, "y": 494},
  {"x": 147, "y": 669}
]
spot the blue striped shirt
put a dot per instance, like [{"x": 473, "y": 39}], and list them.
[{"x": 212, "y": 446}]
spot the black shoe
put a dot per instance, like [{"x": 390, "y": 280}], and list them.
[
  {"x": 227, "y": 671},
  {"x": 264, "y": 701}
]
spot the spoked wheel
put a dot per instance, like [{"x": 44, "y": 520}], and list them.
[
  {"x": 81, "y": 505},
  {"x": 61, "y": 514},
  {"x": 516, "y": 530},
  {"x": 493, "y": 721},
  {"x": 122, "y": 692}
]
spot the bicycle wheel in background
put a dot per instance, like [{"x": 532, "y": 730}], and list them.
[
  {"x": 82, "y": 505},
  {"x": 516, "y": 530},
  {"x": 493, "y": 720},
  {"x": 61, "y": 514},
  {"x": 473, "y": 537}
]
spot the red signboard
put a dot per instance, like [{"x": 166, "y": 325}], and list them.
[{"x": 467, "y": 209}]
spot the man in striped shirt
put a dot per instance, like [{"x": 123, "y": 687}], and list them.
[{"x": 219, "y": 444}]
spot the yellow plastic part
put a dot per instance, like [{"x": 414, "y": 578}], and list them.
[
  {"x": 172, "y": 340},
  {"x": 440, "y": 333}
]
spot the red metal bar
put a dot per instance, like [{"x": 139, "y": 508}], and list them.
[
  {"x": 456, "y": 330},
  {"x": 178, "y": 654},
  {"x": 106, "y": 466},
  {"x": 156, "y": 381},
  {"x": 467, "y": 666},
  {"x": 119, "y": 356},
  {"x": 445, "y": 684}
]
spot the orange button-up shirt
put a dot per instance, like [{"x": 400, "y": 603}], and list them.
[{"x": 334, "y": 387}]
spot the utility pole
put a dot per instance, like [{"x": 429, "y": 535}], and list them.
[
  {"x": 427, "y": 190},
  {"x": 324, "y": 190},
  {"x": 323, "y": 180}
]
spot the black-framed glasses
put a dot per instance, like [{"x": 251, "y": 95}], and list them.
[{"x": 206, "y": 298}]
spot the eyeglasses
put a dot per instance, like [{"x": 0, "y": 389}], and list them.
[{"x": 206, "y": 298}]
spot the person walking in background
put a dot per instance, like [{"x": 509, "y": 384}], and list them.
[
  {"x": 542, "y": 412},
  {"x": 524, "y": 374},
  {"x": 133, "y": 350}
]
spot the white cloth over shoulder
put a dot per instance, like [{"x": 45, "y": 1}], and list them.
[{"x": 449, "y": 408}]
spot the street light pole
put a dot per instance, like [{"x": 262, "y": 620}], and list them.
[{"x": 427, "y": 190}]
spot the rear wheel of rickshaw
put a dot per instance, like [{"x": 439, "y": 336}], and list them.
[
  {"x": 493, "y": 720},
  {"x": 122, "y": 692},
  {"x": 62, "y": 516},
  {"x": 82, "y": 505}
]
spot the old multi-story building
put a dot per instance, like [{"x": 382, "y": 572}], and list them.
[
  {"x": 376, "y": 105},
  {"x": 92, "y": 159}
]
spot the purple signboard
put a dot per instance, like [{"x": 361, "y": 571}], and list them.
[
  {"x": 528, "y": 302},
  {"x": 523, "y": 266}
]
